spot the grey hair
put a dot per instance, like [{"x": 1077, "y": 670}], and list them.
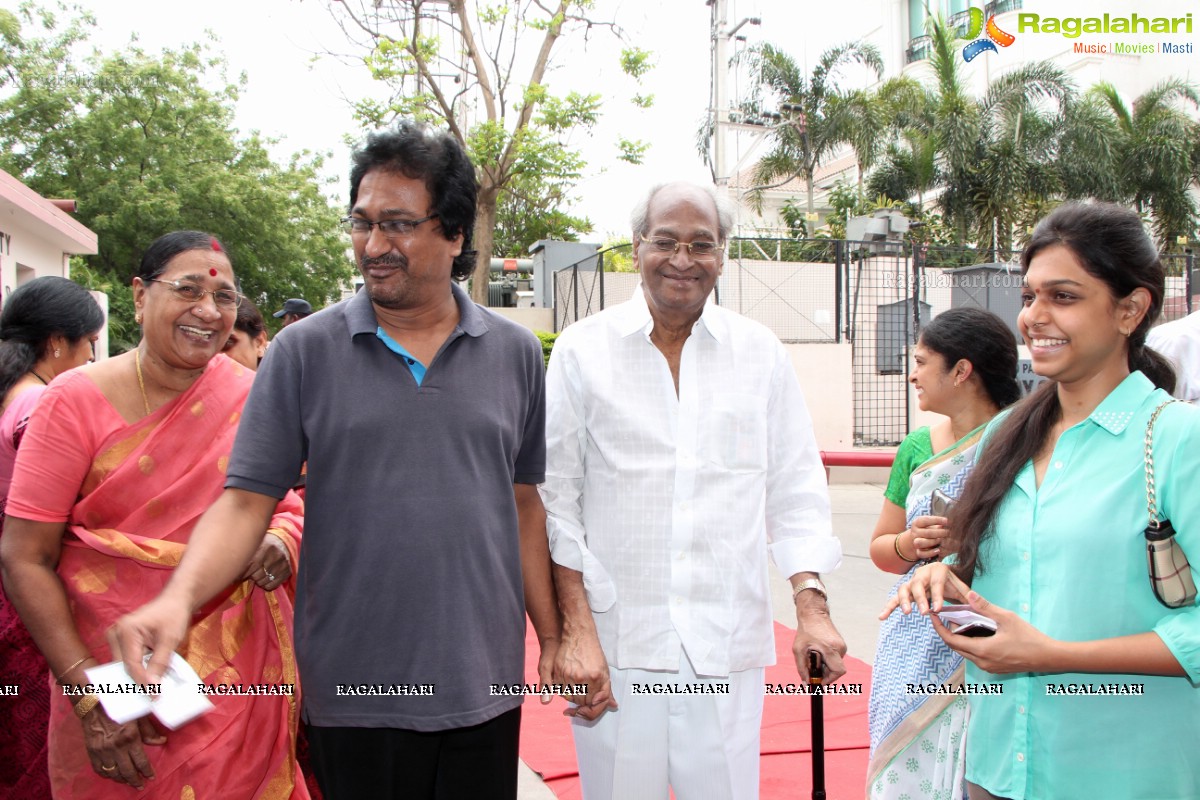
[{"x": 639, "y": 218}]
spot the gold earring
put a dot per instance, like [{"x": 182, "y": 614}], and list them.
[
  {"x": 57, "y": 352},
  {"x": 138, "y": 318}
]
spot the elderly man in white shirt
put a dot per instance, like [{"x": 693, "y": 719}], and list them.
[
  {"x": 1179, "y": 341},
  {"x": 679, "y": 454}
]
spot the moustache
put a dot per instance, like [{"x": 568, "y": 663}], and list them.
[{"x": 390, "y": 261}]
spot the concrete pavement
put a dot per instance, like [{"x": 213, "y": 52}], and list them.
[{"x": 857, "y": 590}]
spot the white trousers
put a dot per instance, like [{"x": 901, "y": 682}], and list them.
[{"x": 704, "y": 746}]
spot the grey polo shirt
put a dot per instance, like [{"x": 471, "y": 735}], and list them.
[{"x": 410, "y": 573}]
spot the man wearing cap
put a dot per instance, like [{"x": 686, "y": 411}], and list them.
[{"x": 294, "y": 309}]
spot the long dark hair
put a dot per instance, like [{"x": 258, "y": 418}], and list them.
[
  {"x": 44, "y": 307},
  {"x": 1111, "y": 244},
  {"x": 986, "y": 341}
]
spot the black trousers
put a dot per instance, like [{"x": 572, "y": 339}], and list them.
[{"x": 475, "y": 763}]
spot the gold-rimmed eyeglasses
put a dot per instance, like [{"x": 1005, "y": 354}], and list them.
[
  {"x": 191, "y": 293},
  {"x": 701, "y": 250}
]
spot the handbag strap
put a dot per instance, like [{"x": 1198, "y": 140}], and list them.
[{"x": 1151, "y": 504}]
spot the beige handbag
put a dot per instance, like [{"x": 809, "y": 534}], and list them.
[{"x": 1170, "y": 572}]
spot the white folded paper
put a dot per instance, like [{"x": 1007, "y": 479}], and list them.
[{"x": 178, "y": 699}]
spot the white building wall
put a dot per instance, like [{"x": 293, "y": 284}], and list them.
[
  {"x": 25, "y": 255},
  {"x": 37, "y": 239}
]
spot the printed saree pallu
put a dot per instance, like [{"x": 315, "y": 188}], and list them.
[
  {"x": 148, "y": 485},
  {"x": 918, "y": 741}
]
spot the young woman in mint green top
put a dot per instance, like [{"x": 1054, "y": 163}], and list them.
[{"x": 1098, "y": 680}]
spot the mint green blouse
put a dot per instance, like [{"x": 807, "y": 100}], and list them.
[{"x": 1069, "y": 557}]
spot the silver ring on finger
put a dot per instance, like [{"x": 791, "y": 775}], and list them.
[
  {"x": 270, "y": 577},
  {"x": 113, "y": 768}
]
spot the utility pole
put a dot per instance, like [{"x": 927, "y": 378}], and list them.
[
  {"x": 721, "y": 35},
  {"x": 719, "y": 100}
]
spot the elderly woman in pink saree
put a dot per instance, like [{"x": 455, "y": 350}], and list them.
[{"x": 117, "y": 465}]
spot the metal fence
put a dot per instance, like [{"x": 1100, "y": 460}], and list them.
[
  {"x": 1182, "y": 290},
  {"x": 591, "y": 285},
  {"x": 874, "y": 297}
]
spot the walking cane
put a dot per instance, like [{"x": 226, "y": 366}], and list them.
[{"x": 816, "y": 672}]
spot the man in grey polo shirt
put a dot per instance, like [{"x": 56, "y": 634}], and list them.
[{"x": 421, "y": 418}]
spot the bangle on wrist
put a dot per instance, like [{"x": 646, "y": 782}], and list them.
[
  {"x": 86, "y": 704},
  {"x": 59, "y": 677},
  {"x": 896, "y": 547}
]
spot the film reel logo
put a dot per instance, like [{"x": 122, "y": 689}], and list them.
[{"x": 994, "y": 36}]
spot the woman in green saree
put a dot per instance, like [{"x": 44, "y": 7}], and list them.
[{"x": 965, "y": 369}]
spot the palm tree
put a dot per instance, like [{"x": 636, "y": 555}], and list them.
[
  {"x": 1018, "y": 141},
  {"x": 993, "y": 157},
  {"x": 818, "y": 115},
  {"x": 861, "y": 117},
  {"x": 956, "y": 122},
  {"x": 1088, "y": 153},
  {"x": 1156, "y": 146},
  {"x": 909, "y": 166}
]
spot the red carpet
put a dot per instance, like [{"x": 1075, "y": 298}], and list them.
[{"x": 786, "y": 767}]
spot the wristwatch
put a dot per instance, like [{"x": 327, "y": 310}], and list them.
[{"x": 811, "y": 583}]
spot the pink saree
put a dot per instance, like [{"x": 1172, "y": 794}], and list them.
[{"x": 146, "y": 486}]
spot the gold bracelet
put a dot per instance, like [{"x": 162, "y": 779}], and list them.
[
  {"x": 84, "y": 706},
  {"x": 59, "y": 677},
  {"x": 896, "y": 547}
]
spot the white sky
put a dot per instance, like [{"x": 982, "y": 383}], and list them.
[{"x": 307, "y": 104}]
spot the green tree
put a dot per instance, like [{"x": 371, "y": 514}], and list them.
[
  {"x": 618, "y": 255},
  {"x": 956, "y": 125},
  {"x": 817, "y": 115},
  {"x": 1018, "y": 140},
  {"x": 454, "y": 62},
  {"x": 1155, "y": 154},
  {"x": 1088, "y": 153},
  {"x": 994, "y": 158},
  {"x": 861, "y": 116},
  {"x": 909, "y": 165},
  {"x": 530, "y": 210},
  {"x": 145, "y": 148}
]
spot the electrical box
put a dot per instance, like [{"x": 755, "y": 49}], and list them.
[{"x": 895, "y": 332}]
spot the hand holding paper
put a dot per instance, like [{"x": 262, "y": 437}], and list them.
[{"x": 178, "y": 701}]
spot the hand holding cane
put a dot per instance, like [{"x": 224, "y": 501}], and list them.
[{"x": 816, "y": 673}]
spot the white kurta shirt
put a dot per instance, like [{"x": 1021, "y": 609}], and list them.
[
  {"x": 1179, "y": 341},
  {"x": 668, "y": 505}
]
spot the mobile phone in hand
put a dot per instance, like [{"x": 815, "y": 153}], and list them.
[
  {"x": 940, "y": 503},
  {"x": 965, "y": 622}
]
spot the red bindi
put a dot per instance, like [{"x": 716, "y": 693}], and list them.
[{"x": 212, "y": 272}]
